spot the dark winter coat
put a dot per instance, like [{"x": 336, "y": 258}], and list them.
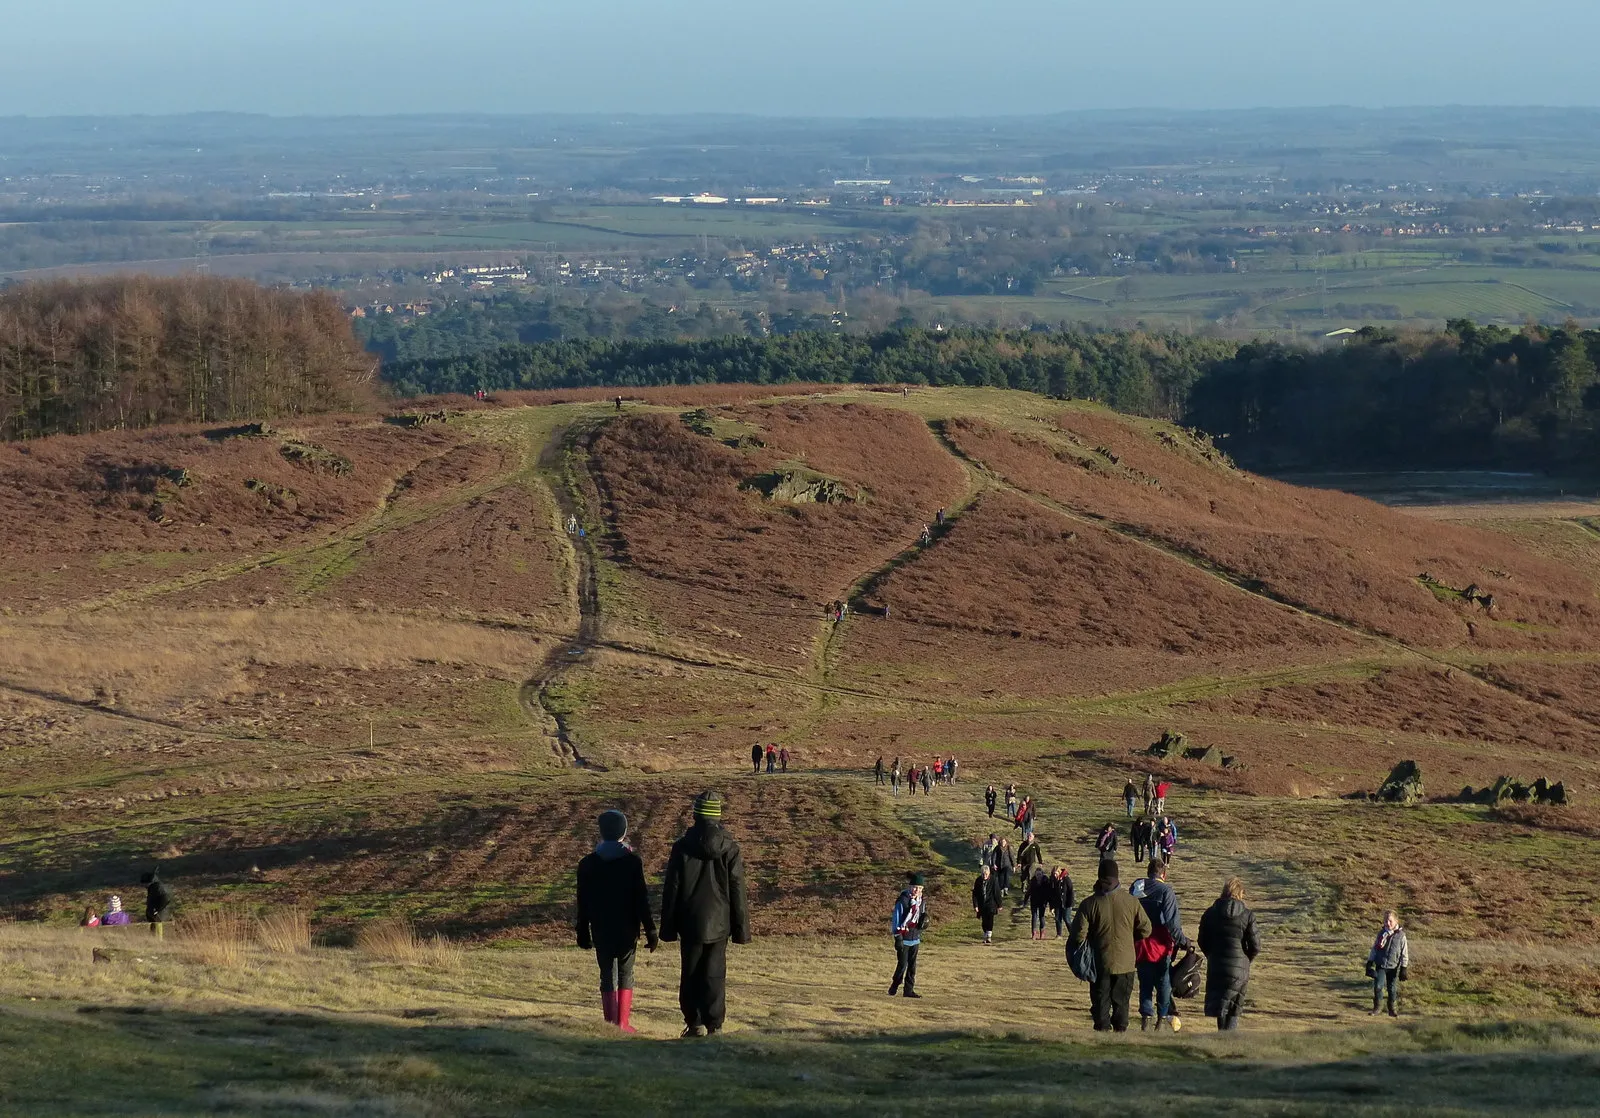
[
  {"x": 1110, "y": 920},
  {"x": 157, "y": 902},
  {"x": 1030, "y": 855},
  {"x": 1106, "y": 843},
  {"x": 1041, "y": 889},
  {"x": 1004, "y": 859},
  {"x": 986, "y": 894},
  {"x": 1229, "y": 941},
  {"x": 613, "y": 901},
  {"x": 703, "y": 899},
  {"x": 1065, "y": 896}
]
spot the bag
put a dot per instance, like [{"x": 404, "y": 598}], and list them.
[
  {"x": 1081, "y": 960},
  {"x": 1186, "y": 975}
]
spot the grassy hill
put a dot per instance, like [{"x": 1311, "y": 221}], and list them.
[{"x": 362, "y": 670}]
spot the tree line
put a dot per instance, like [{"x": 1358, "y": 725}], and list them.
[
  {"x": 136, "y": 351},
  {"x": 1465, "y": 396}
]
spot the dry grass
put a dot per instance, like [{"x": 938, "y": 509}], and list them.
[
  {"x": 396, "y": 941},
  {"x": 285, "y": 932},
  {"x": 216, "y": 937}
]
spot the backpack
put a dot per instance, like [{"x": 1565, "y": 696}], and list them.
[
  {"x": 1186, "y": 975},
  {"x": 1081, "y": 960}
]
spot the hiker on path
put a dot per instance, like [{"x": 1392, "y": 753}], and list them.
[
  {"x": 1162, "y": 789},
  {"x": 703, "y": 905},
  {"x": 927, "y": 782},
  {"x": 927, "y": 536},
  {"x": 116, "y": 915},
  {"x": 1005, "y": 863},
  {"x": 986, "y": 901},
  {"x": 1106, "y": 842},
  {"x": 990, "y": 850},
  {"x": 1110, "y": 921},
  {"x": 1064, "y": 898},
  {"x": 1229, "y": 941},
  {"x": 1041, "y": 889},
  {"x": 1024, "y": 817},
  {"x": 613, "y": 907},
  {"x": 1388, "y": 963},
  {"x": 989, "y": 798},
  {"x": 1130, "y": 796},
  {"x": 877, "y": 770},
  {"x": 1142, "y": 836},
  {"x": 1011, "y": 801},
  {"x": 938, "y": 770},
  {"x": 157, "y": 903},
  {"x": 950, "y": 769},
  {"x": 894, "y": 776},
  {"x": 619, "y": 403},
  {"x": 1030, "y": 856},
  {"x": 1149, "y": 791},
  {"x": 910, "y": 916},
  {"x": 1155, "y": 952},
  {"x": 911, "y": 781},
  {"x": 783, "y": 759},
  {"x": 772, "y": 757},
  {"x": 1167, "y": 840},
  {"x": 755, "y": 758}
]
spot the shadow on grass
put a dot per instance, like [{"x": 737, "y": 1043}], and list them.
[{"x": 141, "y": 1060}]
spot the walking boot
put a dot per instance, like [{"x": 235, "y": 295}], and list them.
[
  {"x": 625, "y": 1010},
  {"x": 608, "y": 1003},
  {"x": 1144, "y": 1023},
  {"x": 1377, "y": 1007},
  {"x": 910, "y": 993},
  {"x": 894, "y": 988},
  {"x": 692, "y": 1030}
]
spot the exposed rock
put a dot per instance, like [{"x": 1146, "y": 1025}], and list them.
[
  {"x": 801, "y": 487},
  {"x": 1404, "y": 785}
]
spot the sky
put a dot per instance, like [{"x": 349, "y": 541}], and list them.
[{"x": 788, "y": 57}]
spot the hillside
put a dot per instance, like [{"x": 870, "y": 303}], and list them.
[{"x": 364, "y": 668}]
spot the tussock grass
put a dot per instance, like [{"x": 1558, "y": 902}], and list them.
[
  {"x": 286, "y": 931},
  {"x": 396, "y": 941},
  {"x": 217, "y": 937}
]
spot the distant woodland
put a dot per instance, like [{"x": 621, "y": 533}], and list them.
[{"x": 136, "y": 351}]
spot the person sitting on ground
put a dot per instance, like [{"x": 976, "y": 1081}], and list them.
[
  {"x": 986, "y": 901},
  {"x": 1155, "y": 952},
  {"x": 1230, "y": 943},
  {"x": 1063, "y": 900},
  {"x": 1389, "y": 963},
  {"x": 1106, "y": 842},
  {"x": 91, "y": 918},
  {"x": 157, "y": 903},
  {"x": 1110, "y": 921},
  {"x": 909, "y": 918},
  {"x": 613, "y": 907},
  {"x": 116, "y": 916}
]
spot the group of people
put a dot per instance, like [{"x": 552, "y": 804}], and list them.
[
  {"x": 777, "y": 757},
  {"x": 941, "y": 771},
  {"x": 703, "y": 906},
  {"x": 157, "y": 908}
]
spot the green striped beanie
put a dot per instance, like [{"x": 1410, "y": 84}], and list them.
[{"x": 708, "y": 805}]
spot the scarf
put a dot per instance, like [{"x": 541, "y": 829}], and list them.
[
  {"x": 913, "y": 915},
  {"x": 1384, "y": 937}
]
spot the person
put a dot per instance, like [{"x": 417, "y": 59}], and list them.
[
  {"x": 1005, "y": 863},
  {"x": 1011, "y": 801},
  {"x": 1161, "y": 796},
  {"x": 1063, "y": 900},
  {"x": 772, "y": 757},
  {"x": 1024, "y": 817},
  {"x": 783, "y": 759},
  {"x": 877, "y": 770},
  {"x": 1110, "y": 921},
  {"x": 950, "y": 769},
  {"x": 911, "y": 780},
  {"x": 157, "y": 903},
  {"x": 1388, "y": 963},
  {"x": 1149, "y": 791},
  {"x": 1130, "y": 796},
  {"x": 1153, "y": 955},
  {"x": 613, "y": 907},
  {"x": 939, "y": 518},
  {"x": 1167, "y": 841},
  {"x": 986, "y": 901},
  {"x": 1106, "y": 842},
  {"x": 116, "y": 916},
  {"x": 619, "y": 403},
  {"x": 894, "y": 777},
  {"x": 1030, "y": 855},
  {"x": 927, "y": 784},
  {"x": 910, "y": 916},
  {"x": 1142, "y": 836},
  {"x": 91, "y": 918},
  {"x": 755, "y": 758},
  {"x": 989, "y": 798},
  {"x": 703, "y": 905},
  {"x": 1229, "y": 941},
  {"x": 989, "y": 852},
  {"x": 938, "y": 770},
  {"x": 1041, "y": 888}
]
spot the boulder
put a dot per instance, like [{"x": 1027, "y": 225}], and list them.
[
  {"x": 1168, "y": 746},
  {"x": 1404, "y": 785}
]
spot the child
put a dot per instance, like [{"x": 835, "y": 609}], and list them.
[
  {"x": 613, "y": 905},
  {"x": 115, "y": 917},
  {"x": 910, "y": 916}
]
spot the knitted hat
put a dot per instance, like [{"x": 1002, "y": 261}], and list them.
[
  {"x": 1109, "y": 874},
  {"x": 613, "y": 825},
  {"x": 917, "y": 879},
  {"x": 116, "y": 904},
  {"x": 708, "y": 805}
]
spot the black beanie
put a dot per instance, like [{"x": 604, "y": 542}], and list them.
[
  {"x": 613, "y": 825},
  {"x": 1108, "y": 873}
]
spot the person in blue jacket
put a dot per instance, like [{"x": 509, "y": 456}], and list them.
[{"x": 909, "y": 918}]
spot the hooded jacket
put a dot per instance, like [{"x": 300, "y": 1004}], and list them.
[
  {"x": 1110, "y": 920},
  {"x": 1229, "y": 940},
  {"x": 613, "y": 901},
  {"x": 986, "y": 894},
  {"x": 703, "y": 899},
  {"x": 157, "y": 901},
  {"x": 1065, "y": 896},
  {"x": 1161, "y": 905}
]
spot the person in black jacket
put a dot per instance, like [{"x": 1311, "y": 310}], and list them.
[
  {"x": 157, "y": 903},
  {"x": 1005, "y": 861},
  {"x": 613, "y": 905},
  {"x": 1229, "y": 941},
  {"x": 1065, "y": 897},
  {"x": 755, "y": 758},
  {"x": 986, "y": 901},
  {"x": 703, "y": 905}
]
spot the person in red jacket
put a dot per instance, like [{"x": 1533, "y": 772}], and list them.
[{"x": 1161, "y": 796}]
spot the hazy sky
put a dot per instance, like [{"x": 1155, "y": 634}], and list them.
[{"x": 825, "y": 57}]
